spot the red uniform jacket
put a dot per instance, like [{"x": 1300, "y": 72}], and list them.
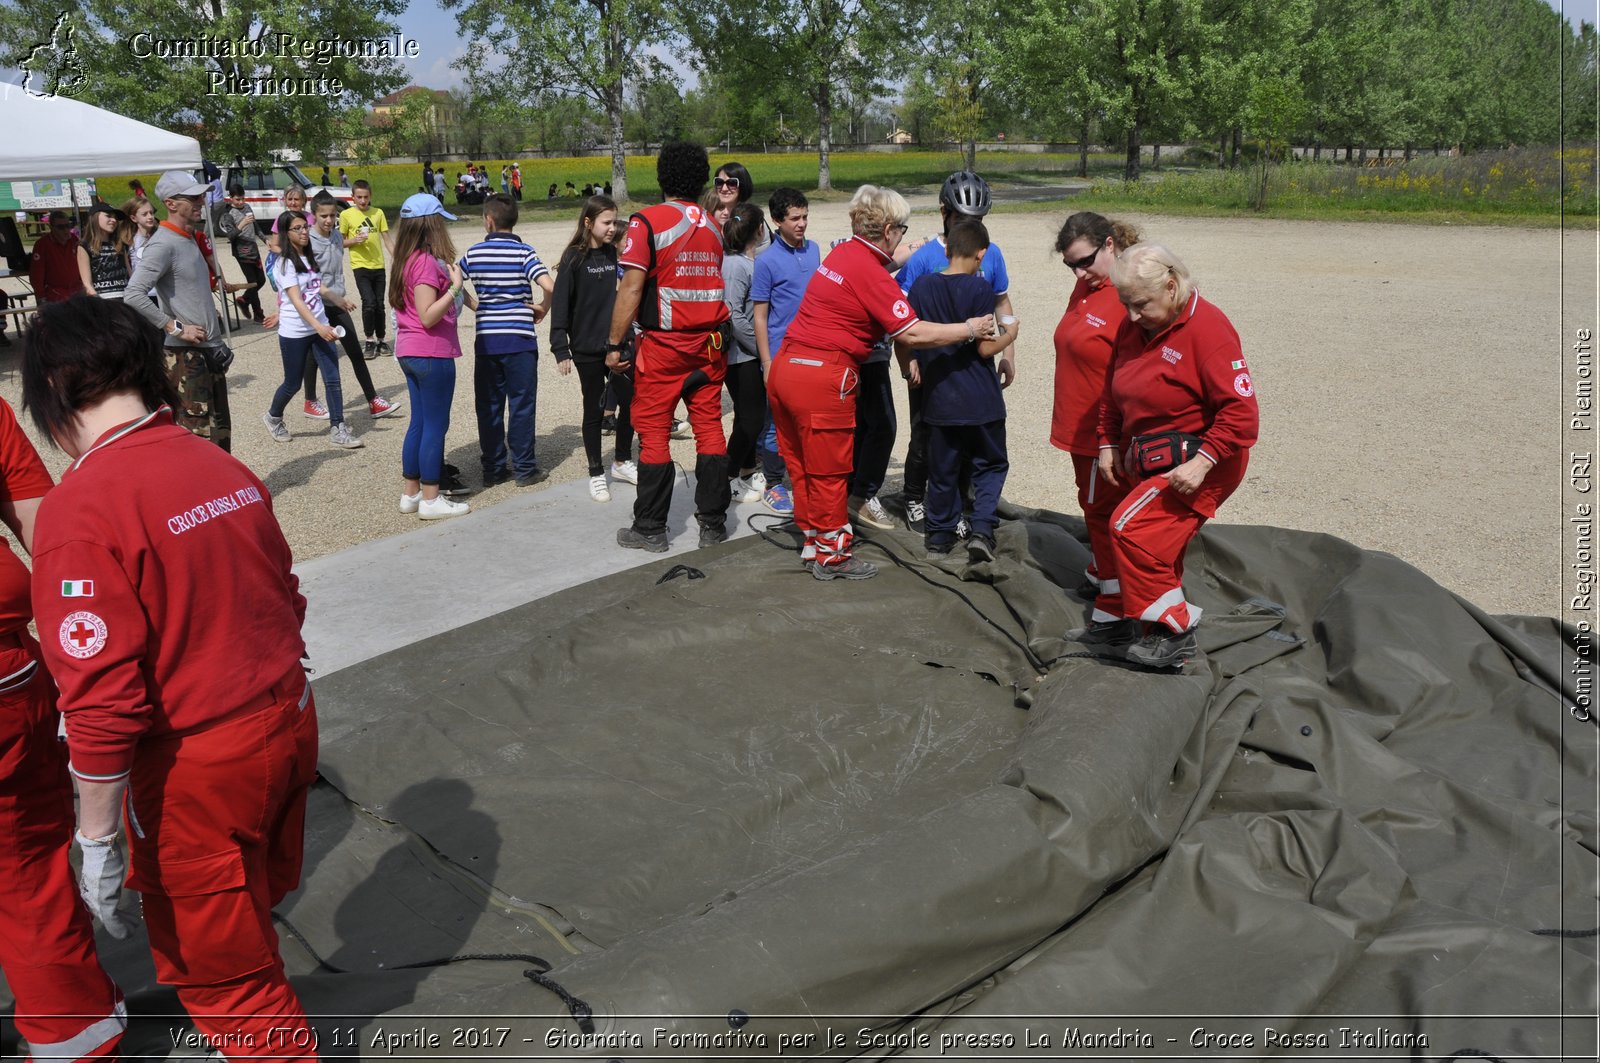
[
  {"x": 163, "y": 590},
  {"x": 680, "y": 249},
  {"x": 1190, "y": 377},
  {"x": 1083, "y": 354},
  {"x": 851, "y": 303}
]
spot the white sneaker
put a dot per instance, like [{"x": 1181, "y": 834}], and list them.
[
  {"x": 409, "y": 503},
  {"x": 279, "y": 430},
  {"x": 758, "y": 480},
  {"x": 742, "y": 490},
  {"x": 916, "y": 512},
  {"x": 872, "y": 514},
  {"x": 599, "y": 490},
  {"x": 681, "y": 430},
  {"x": 625, "y": 471},
  {"x": 341, "y": 436},
  {"x": 440, "y": 507}
]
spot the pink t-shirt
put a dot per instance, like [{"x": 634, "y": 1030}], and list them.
[{"x": 411, "y": 339}]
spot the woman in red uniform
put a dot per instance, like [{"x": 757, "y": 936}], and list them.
[
  {"x": 850, "y": 304},
  {"x": 170, "y": 619},
  {"x": 1088, "y": 243},
  {"x": 67, "y": 1007},
  {"x": 1177, "y": 421}
]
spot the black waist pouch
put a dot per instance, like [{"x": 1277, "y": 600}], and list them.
[{"x": 1159, "y": 452}]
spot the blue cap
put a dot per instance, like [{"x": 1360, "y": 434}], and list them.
[{"x": 423, "y": 204}]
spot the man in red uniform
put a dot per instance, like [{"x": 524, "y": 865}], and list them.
[
  {"x": 67, "y": 1007},
  {"x": 672, "y": 284},
  {"x": 54, "y": 270},
  {"x": 170, "y": 617},
  {"x": 1176, "y": 367}
]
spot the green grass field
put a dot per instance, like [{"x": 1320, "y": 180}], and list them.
[
  {"x": 1520, "y": 186},
  {"x": 906, "y": 170}
]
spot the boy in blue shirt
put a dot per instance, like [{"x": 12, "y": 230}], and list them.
[
  {"x": 505, "y": 381},
  {"x": 963, "y": 195},
  {"x": 779, "y": 282},
  {"x": 962, "y": 407}
]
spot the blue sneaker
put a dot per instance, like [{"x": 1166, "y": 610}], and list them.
[{"x": 777, "y": 499}]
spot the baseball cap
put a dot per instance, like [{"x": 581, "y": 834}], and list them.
[
  {"x": 179, "y": 183},
  {"x": 423, "y": 204}
]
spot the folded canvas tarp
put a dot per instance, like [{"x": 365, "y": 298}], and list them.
[{"x": 751, "y": 815}]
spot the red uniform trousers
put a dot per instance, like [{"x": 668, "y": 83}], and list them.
[
  {"x": 1149, "y": 531},
  {"x": 813, "y": 401},
  {"x": 1097, "y": 499},
  {"x": 216, "y": 824},
  {"x": 67, "y": 1007},
  {"x": 658, "y": 385}
]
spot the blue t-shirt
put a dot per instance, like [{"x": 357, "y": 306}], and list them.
[
  {"x": 959, "y": 386},
  {"x": 781, "y": 275},
  {"x": 931, "y": 258}
]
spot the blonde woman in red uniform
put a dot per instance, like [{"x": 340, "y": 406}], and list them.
[
  {"x": 1088, "y": 244},
  {"x": 851, "y": 303},
  {"x": 1177, "y": 422}
]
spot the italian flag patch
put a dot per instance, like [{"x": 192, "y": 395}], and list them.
[
  {"x": 1239, "y": 364},
  {"x": 77, "y": 588}
]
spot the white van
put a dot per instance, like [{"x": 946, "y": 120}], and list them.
[{"x": 264, "y": 185}]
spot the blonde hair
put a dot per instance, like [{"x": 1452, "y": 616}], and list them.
[
  {"x": 1143, "y": 267},
  {"x": 874, "y": 209}
]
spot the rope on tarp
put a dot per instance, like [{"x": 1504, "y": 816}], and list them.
[{"x": 581, "y": 1012}]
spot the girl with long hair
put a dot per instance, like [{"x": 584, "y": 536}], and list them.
[
  {"x": 580, "y": 323},
  {"x": 426, "y": 292},
  {"x": 303, "y": 330},
  {"x": 103, "y": 262},
  {"x": 743, "y": 237}
]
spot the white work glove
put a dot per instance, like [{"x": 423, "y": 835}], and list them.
[{"x": 105, "y": 866}]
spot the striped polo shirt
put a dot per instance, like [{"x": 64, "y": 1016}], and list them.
[{"x": 503, "y": 271}]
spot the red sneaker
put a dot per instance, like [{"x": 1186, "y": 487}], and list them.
[{"x": 382, "y": 407}]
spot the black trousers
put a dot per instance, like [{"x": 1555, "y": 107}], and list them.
[
  {"x": 372, "y": 285},
  {"x": 748, "y": 390},
  {"x": 352, "y": 347},
  {"x": 251, "y": 268},
  {"x": 875, "y": 430},
  {"x": 594, "y": 377}
]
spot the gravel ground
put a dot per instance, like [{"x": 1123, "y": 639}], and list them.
[{"x": 1409, "y": 380}]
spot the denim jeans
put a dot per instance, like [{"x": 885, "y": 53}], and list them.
[
  {"x": 431, "y": 383},
  {"x": 294, "y": 350},
  {"x": 505, "y": 389}
]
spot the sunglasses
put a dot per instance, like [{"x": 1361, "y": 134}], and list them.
[
  {"x": 726, "y": 182},
  {"x": 1085, "y": 262}
]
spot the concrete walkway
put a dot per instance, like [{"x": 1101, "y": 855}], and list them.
[{"x": 389, "y": 593}]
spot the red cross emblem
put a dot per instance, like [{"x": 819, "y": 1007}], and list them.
[{"x": 83, "y": 634}]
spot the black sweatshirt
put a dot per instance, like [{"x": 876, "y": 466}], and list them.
[{"x": 580, "y": 315}]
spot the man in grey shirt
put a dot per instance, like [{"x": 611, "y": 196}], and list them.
[{"x": 173, "y": 265}]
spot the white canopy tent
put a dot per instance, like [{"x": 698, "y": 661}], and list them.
[{"x": 56, "y": 137}]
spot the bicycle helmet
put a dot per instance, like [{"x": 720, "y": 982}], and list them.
[{"x": 964, "y": 192}]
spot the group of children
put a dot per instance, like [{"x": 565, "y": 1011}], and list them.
[{"x": 958, "y": 425}]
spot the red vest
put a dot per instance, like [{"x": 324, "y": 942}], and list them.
[{"x": 680, "y": 249}]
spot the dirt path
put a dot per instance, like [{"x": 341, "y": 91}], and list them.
[{"x": 1409, "y": 380}]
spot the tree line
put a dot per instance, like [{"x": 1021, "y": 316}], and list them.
[{"x": 1322, "y": 74}]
